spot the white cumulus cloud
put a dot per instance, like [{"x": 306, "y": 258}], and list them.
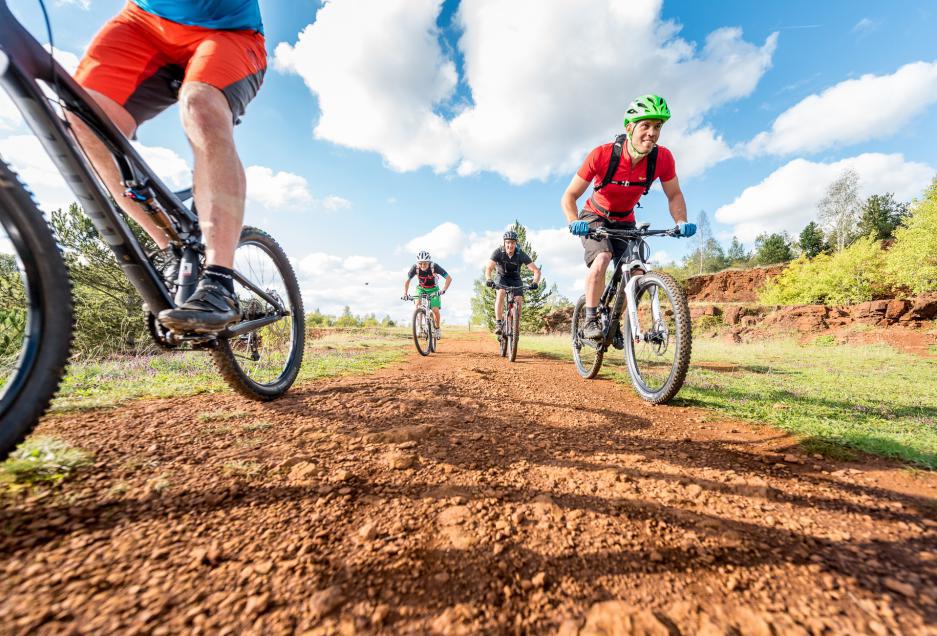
[
  {"x": 442, "y": 241},
  {"x": 277, "y": 190},
  {"x": 379, "y": 72},
  {"x": 541, "y": 94},
  {"x": 787, "y": 199},
  {"x": 853, "y": 111}
]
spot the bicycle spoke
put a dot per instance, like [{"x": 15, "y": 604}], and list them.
[
  {"x": 264, "y": 352},
  {"x": 654, "y": 350}
]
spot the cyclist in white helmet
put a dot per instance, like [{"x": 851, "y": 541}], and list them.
[{"x": 426, "y": 272}]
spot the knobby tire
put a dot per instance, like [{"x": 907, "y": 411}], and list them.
[{"x": 50, "y": 321}]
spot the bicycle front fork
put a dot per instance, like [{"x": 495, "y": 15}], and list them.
[{"x": 630, "y": 291}]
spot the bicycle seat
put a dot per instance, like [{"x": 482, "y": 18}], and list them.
[
  {"x": 642, "y": 226},
  {"x": 184, "y": 195}
]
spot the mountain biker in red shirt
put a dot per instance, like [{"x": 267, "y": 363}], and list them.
[
  {"x": 612, "y": 204},
  {"x": 210, "y": 56}
]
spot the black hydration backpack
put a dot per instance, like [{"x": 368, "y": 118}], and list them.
[{"x": 615, "y": 160}]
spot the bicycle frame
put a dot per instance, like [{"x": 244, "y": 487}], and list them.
[
  {"x": 622, "y": 287},
  {"x": 23, "y": 63},
  {"x": 510, "y": 301}
]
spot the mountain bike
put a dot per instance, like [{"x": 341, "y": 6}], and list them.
[
  {"x": 259, "y": 355},
  {"x": 424, "y": 328},
  {"x": 655, "y": 332},
  {"x": 510, "y": 321}
]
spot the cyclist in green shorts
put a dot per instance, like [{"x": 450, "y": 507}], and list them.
[{"x": 426, "y": 272}]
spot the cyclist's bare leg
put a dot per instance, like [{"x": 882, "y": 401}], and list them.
[
  {"x": 499, "y": 303},
  {"x": 104, "y": 164},
  {"x": 436, "y": 316},
  {"x": 595, "y": 279},
  {"x": 220, "y": 184}
]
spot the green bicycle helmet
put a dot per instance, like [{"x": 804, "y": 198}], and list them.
[{"x": 647, "y": 107}]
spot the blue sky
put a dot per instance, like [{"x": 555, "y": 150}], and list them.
[{"x": 433, "y": 124}]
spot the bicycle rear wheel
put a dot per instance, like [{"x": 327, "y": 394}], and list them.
[
  {"x": 658, "y": 361},
  {"x": 35, "y": 313},
  {"x": 421, "y": 335},
  {"x": 264, "y": 363},
  {"x": 514, "y": 333},
  {"x": 586, "y": 354}
]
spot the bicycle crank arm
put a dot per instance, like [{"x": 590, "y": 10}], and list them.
[{"x": 249, "y": 325}]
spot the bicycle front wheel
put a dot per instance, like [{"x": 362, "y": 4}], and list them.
[
  {"x": 658, "y": 347},
  {"x": 514, "y": 333},
  {"x": 264, "y": 363},
  {"x": 35, "y": 313},
  {"x": 422, "y": 337},
  {"x": 586, "y": 354}
]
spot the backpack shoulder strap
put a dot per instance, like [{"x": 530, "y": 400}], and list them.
[
  {"x": 613, "y": 161},
  {"x": 651, "y": 169}
]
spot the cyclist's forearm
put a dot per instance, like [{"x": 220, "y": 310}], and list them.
[
  {"x": 570, "y": 208},
  {"x": 448, "y": 280},
  {"x": 678, "y": 208},
  {"x": 406, "y": 287}
]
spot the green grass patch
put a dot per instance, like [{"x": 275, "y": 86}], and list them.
[
  {"x": 826, "y": 340},
  {"x": 108, "y": 383},
  {"x": 221, "y": 416},
  {"x": 870, "y": 398},
  {"x": 242, "y": 469},
  {"x": 252, "y": 427},
  {"x": 42, "y": 460}
]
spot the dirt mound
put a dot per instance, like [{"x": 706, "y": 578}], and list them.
[
  {"x": 730, "y": 286},
  {"x": 462, "y": 494}
]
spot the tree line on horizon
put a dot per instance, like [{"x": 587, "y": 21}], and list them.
[{"x": 842, "y": 219}]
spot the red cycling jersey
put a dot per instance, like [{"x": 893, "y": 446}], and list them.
[{"x": 621, "y": 199}]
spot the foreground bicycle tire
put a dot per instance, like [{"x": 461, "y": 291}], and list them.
[
  {"x": 422, "y": 336},
  {"x": 656, "y": 379},
  {"x": 227, "y": 354},
  {"x": 514, "y": 333},
  {"x": 588, "y": 359},
  {"x": 26, "y": 393}
]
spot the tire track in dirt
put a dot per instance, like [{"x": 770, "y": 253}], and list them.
[{"x": 460, "y": 493}]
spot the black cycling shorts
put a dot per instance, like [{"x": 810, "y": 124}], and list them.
[
  {"x": 594, "y": 247},
  {"x": 512, "y": 282}
]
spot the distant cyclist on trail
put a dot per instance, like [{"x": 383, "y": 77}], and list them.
[
  {"x": 508, "y": 259},
  {"x": 620, "y": 179},
  {"x": 426, "y": 272},
  {"x": 211, "y": 57}
]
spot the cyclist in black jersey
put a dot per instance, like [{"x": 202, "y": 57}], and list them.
[
  {"x": 426, "y": 272},
  {"x": 508, "y": 260}
]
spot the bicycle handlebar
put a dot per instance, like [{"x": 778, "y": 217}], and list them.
[
  {"x": 604, "y": 232},
  {"x": 410, "y": 297}
]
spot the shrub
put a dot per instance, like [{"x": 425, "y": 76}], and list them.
[
  {"x": 853, "y": 275},
  {"x": 912, "y": 260}
]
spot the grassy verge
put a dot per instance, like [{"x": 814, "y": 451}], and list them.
[
  {"x": 109, "y": 382},
  {"x": 834, "y": 397}
]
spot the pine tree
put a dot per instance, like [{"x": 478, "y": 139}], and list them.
[
  {"x": 881, "y": 215},
  {"x": 772, "y": 248},
  {"x": 536, "y": 303},
  {"x": 812, "y": 242},
  {"x": 737, "y": 255}
]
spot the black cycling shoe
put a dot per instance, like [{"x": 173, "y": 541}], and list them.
[
  {"x": 499, "y": 328},
  {"x": 619, "y": 340},
  {"x": 209, "y": 309},
  {"x": 591, "y": 330}
]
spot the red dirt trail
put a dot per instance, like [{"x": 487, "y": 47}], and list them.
[{"x": 462, "y": 494}]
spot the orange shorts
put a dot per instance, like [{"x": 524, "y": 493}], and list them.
[{"x": 140, "y": 60}]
